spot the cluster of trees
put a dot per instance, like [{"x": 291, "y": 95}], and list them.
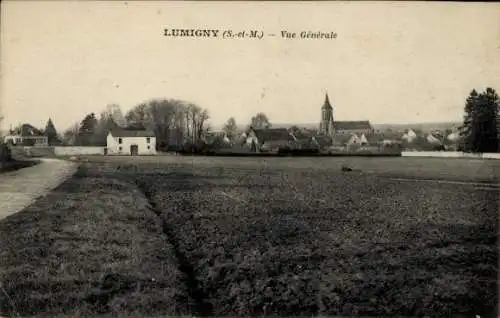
[
  {"x": 259, "y": 121},
  {"x": 176, "y": 124},
  {"x": 50, "y": 132},
  {"x": 480, "y": 130}
]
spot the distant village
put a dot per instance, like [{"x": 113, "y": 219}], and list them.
[{"x": 126, "y": 138}]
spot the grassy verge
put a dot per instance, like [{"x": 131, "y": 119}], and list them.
[
  {"x": 56, "y": 253},
  {"x": 14, "y": 165}
]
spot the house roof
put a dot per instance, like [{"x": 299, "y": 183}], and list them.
[
  {"x": 272, "y": 134},
  {"x": 323, "y": 141},
  {"x": 352, "y": 125},
  {"x": 437, "y": 134},
  {"x": 303, "y": 134},
  {"x": 342, "y": 139},
  {"x": 127, "y": 132},
  {"x": 386, "y": 135},
  {"x": 27, "y": 130},
  {"x": 304, "y": 142}
]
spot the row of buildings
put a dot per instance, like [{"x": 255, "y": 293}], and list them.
[
  {"x": 118, "y": 141},
  {"x": 331, "y": 134},
  {"x": 340, "y": 135}
]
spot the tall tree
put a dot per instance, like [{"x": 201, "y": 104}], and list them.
[
  {"x": 260, "y": 121},
  {"x": 480, "y": 131},
  {"x": 51, "y": 133},
  {"x": 105, "y": 123},
  {"x": 69, "y": 135},
  {"x": 201, "y": 126},
  {"x": 173, "y": 121},
  {"x": 230, "y": 128},
  {"x": 1, "y": 131},
  {"x": 115, "y": 112},
  {"x": 138, "y": 114},
  {"x": 86, "y": 132}
]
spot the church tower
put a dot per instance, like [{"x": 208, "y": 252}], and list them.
[{"x": 326, "y": 123}]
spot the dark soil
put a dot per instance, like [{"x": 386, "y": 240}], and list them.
[{"x": 220, "y": 239}]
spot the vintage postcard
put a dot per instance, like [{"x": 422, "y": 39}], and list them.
[{"x": 171, "y": 158}]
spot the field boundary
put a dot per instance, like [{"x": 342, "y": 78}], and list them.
[
  {"x": 450, "y": 154},
  {"x": 194, "y": 288},
  {"x": 480, "y": 185},
  {"x": 291, "y": 154}
]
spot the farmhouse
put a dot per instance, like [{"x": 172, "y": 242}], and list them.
[
  {"x": 123, "y": 141},
  {"x": 218, "y": 138},
  {"x": 271, "y": 139},
  {"x": 27, "y": 135},
  {"x": 303, "y": 139},
  {"x": 409, "y": 136}
]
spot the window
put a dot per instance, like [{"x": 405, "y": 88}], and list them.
[
  {"x": 148, "y": 140},
  {"x": 119, "y": 141},
  {"x": 120, "y": 148},
  {"x": 149, "y": 147}
]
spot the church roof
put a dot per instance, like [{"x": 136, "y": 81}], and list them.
[
  {"x": 327, "y": 105},
  {"x": 352, "y": 125}
]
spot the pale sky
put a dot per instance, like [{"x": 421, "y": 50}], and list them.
[{"x": 392, "y": 62}]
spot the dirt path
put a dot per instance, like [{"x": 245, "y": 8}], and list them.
[{"x": 20, "y": 188}]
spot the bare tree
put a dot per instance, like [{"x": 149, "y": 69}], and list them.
[
  {"x": 200, "y": 123},
  {"x": 69, "y": 135},
  {"x": 138, "y": 114},
  {"x": 260, "y": 121},
  {"x": 1, "y": 131},
  {"x": 115, "y": 112},
  {"x": 230, "y": 128},
  {"x": 173, "y": 121}
]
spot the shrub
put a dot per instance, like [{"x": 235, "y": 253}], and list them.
[{"x": 5, "y": 153}]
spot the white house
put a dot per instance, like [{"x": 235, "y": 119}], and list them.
[
  {"x": 363, "y": 140},
  {"x": 131, "y": 142},
  {"x": 354, "y": 140},
  {"x": 454, "y": 136},
  {"x": 409, "y": 136}
]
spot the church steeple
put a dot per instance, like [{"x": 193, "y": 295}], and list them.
[
  {"x": 326, "y": 123},
  {"x": 326, "y": 104}
]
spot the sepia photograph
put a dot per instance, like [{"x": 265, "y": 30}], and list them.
[{"x": 249, "y": 159}]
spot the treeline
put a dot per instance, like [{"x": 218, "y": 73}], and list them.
[
  {"x": 480, "y": 131},
  {"x": 174, "y": 122},
  {"x": 182, "y": 125},
  {"x": 177, "y": 124}
]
